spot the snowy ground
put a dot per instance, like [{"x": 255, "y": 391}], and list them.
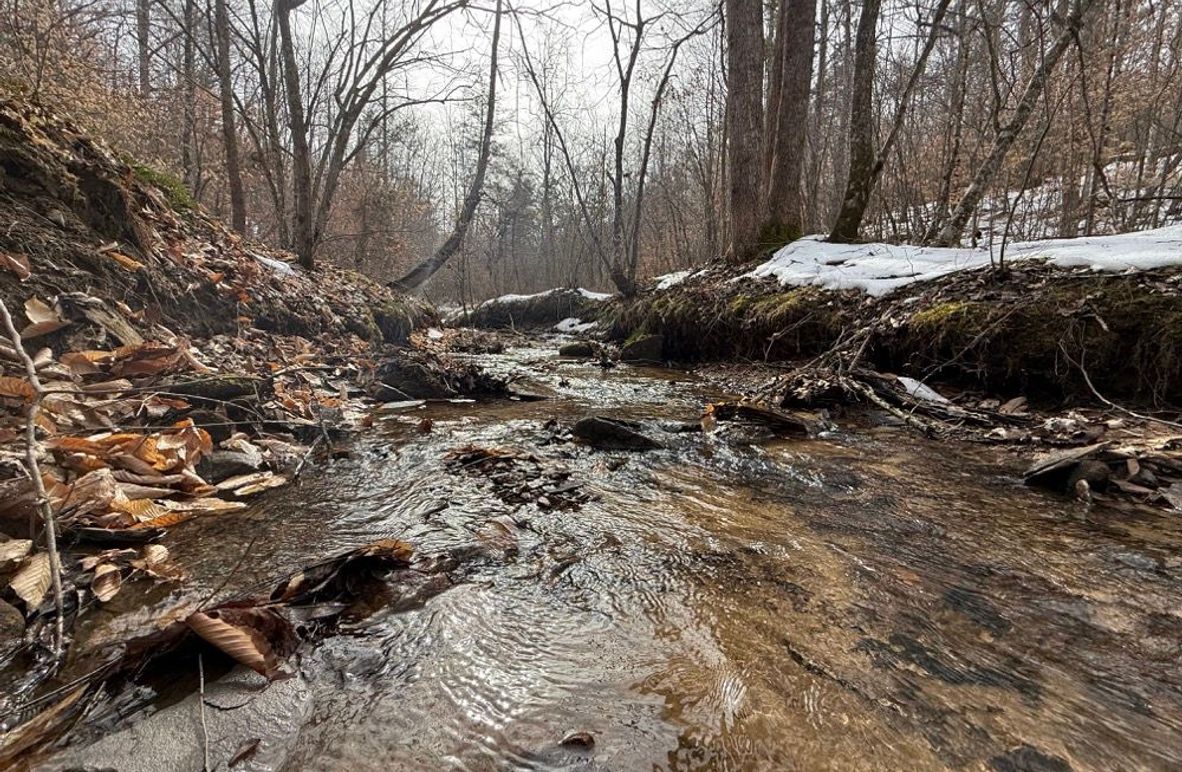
[{"x": 880, "y": 268}]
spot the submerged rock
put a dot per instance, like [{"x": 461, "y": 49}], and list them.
[
  {"x": 578, "y": 350},
  {"x": 643, "y": 348},
  {"x": 612, "y": 434}
]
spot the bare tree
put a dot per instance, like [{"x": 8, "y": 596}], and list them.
[
  {"x": 863, "y": 178},
  {"x": 744, "y": 123},
  {"x": 229, "y": 124},
  {"x": 419, "y": 275},
  {"x": 1068, "y": 25},
  {"x": 788, "y": 119}
]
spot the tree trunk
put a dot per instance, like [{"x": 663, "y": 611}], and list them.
[
  {"x": 142, "y": 29},
  {"x": 229, "y": 129},
  {"x": 951, "y": 232},
  {"x": 788, "y": 120},
  {"x": 189, "y": 96},
  {"x": 858, "y": 185},
  {"x": 304, "y": 237},
  {"x": 858, "y": 192},
  {"x": 422, "y": 272},
  {"x": 744, "y": 120}
]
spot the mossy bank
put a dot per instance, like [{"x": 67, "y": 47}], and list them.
[{"x": 1046, "y": 332}]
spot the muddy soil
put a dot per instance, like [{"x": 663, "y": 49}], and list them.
[{"x": 864, "y": 599}]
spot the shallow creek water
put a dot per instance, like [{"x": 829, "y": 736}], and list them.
[{"x": 864, "y": 600}]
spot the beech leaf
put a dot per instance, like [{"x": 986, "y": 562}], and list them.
[{"x": 32, "y": 580}]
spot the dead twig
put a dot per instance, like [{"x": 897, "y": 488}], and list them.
[
  {"x": 32, "y": 450},
  {"x": 201, "y": 703},
  {"x": 1120, "y": 408}
]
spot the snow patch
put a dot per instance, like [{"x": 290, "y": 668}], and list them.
[
  {"x": 574, "y": 324},
  {"x": 277, "y": 266},
  {"x": 671, "y": 279},
  {"x": 588, "y": 294},
  {"x": 881, "y": 268}
]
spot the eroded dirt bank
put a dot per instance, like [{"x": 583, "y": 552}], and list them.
[{"x": 860, "y": 599}]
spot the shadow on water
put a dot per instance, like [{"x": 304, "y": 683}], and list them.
[{"x": 867, "y": 600}]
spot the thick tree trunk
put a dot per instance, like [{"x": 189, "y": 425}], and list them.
[
  {"x": 304, "y": 235},
  {"x": 858, "y": 185},
  {"x": 744, "y": 120},
  {"x": 229, "y": 128},
  {"x": 422, "y": 272},
  {"x": 950, "y": 234},
  {"x": 788, "y": 120}
]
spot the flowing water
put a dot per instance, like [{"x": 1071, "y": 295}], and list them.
[{"x": 864, "y": 600}]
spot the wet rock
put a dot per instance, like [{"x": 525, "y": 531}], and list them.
[
  {"x": 402, "y": 379},
  {"x": 1095, "y": 473},
  {"x": 612, "y": 434},
  {"x": 1027, "y": 759},
  {"x": 1056, "y": 470},
  {"x": 580, "y": 349},
  {"x": 643, "y": 348},
  {"x": 221, "y": 464},
  {"x": 578, "y": 740},
  {"x": 12, "y": 626}
]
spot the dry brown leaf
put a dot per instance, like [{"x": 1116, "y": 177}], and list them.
[
  {"x": 256, "y": 637},
  {"x": 139, "y": 508},
  {"x": 32, "y": 580},
  {"x": 16, "y": 388},
  {"x": 127, "y": 262},
  {"x": 154, "y": 554},
  {"x": 43, "y": 319},
  {"x": 16, "y": 263},
  {"x": 165, "y": 521},
  {"x": 13, "y": 550},
  {"x": 107, "y": 582}
]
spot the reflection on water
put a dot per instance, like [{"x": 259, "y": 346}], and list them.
[{"x": 864, "y": 601}]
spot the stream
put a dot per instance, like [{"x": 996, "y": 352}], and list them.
[{"x": 863, "y": 600}]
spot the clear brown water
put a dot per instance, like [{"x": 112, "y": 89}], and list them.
[{"x": 866, "y": 600}]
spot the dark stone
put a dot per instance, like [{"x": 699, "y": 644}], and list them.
[
  {"x": 1097, "y": 473},
  {"x": 1027, "y": 759},
  {"x": 222, "y": 464},
  {"x": 578, "y": 350},
  {"x": 643, "y": 348},
  {"x": 220, "y": 388},
  {"x": 12, "y": 625},
  {"x": 402, "y": 379},
  {"x": 219, "y": 426},
  {"x": 612, "y": 434}
]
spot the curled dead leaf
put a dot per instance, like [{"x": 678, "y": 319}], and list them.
[
  {"x": 17, "y": 264},
  {"x": 32, "y": 580},
  {"x": 256, "y": 637},
  {"x": 107, "y": 582}
]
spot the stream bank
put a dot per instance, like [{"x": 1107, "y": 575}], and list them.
[{"x": 861, "y": 599}]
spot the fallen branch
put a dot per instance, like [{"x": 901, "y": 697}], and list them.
[{"x": 33, "y": 467}]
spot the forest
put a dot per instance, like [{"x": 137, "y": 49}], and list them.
[{"x": 591, "y": 384}]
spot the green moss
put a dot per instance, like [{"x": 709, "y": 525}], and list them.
[
  {"x": 174, "y": 190},
  {"x": 774, "y": 235},
  {"x": 785, "y": 307},
  {"x": 941, "y": 315}
]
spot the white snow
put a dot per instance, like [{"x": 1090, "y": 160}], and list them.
[
  {"x": 515, "y": 298},
  {"x": 594, "y": 295},
  {"x": 574, "y": 324},
  {"x": 920, "y": 390},
  {"x": 276, "y": 266},
  {"x": 880, "y": 268},
  {"x": 671, "y": 279}
]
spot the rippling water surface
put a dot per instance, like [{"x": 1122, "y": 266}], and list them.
[{"x": 866, "y": 600}]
